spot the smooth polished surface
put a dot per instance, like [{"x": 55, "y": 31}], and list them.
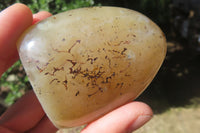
[{"x": 86, "y": 62}]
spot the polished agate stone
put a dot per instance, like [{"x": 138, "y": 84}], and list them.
[{"x": 84, "y": 63}]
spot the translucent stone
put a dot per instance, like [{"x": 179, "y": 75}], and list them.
[{"x": 86, "y": 62}]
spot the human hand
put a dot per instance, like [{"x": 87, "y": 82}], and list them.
[{"x": 26, "y": 115}]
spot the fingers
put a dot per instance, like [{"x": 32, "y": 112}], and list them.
[
  {"x": 44, "y": 126},
  {"x": 13, "y": 20},
  {"x": 5, "y": 130},
  {"x": 122, "y": 120},
  {"x": 24, "y": 114},
  {"x": 40, "y": 16}
]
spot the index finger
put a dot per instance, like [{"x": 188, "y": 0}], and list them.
[{"x": 13, "y": 21}]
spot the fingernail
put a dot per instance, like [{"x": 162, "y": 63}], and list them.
[{"x": 140, "y": 121}]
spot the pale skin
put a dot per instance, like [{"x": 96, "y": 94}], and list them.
[{"x": 27, "y": 115}]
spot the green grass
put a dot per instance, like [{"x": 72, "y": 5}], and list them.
[{"x": 17, "y": 85}]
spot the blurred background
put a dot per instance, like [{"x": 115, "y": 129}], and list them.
[{"x": 174, "y": 94}]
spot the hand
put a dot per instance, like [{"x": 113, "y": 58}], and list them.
[{"x": 26, "y": 115}]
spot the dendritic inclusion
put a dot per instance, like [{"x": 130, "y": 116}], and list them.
[{"x": 84, "y": 63}]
